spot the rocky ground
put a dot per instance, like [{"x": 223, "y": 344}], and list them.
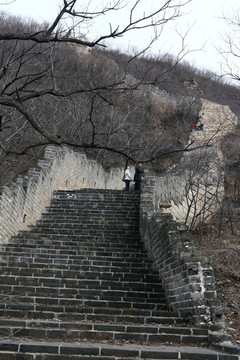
[{"x": 224, "y": 253}]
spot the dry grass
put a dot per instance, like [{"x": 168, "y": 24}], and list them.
[{"x": 224, "y": 254}]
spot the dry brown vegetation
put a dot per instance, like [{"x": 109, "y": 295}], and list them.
[{"x": 223, "y": 250}]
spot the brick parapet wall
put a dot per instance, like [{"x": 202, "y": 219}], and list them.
[
  {"x": 188, "y": 277},
  {"x": 190, "y": 198},
  {"x": 22, "y": 203}
]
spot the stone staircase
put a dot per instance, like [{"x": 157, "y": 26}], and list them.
[{"x": 79, "y": 285}]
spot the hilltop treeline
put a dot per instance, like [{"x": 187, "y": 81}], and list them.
[{"x": 181, "y": 79}]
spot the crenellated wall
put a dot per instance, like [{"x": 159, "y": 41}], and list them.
[
  {"x": 187, "y": 276},
  {"x": 22, "y": 203},
  {"x": 193, "y": 190}
]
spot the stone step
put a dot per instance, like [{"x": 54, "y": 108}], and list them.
[
  {"x": 116, "y": 205},
  {"x": 75, "y": 246},
  {"x": 94, "y": 192},
  {"x": 81, "y": 209},
  {"x": 100, "y": 265},
  {"x": 86, "y": 214},
  {"x": 85, "y": 331},
  {"x": 89, "y": 272},
  {"x": 67, "y": 305},
  {"x": 69, "y": 260},
  {"x": 88, "y": 219},
  {"x": 104, "y": 208},
  {"x": 102, "y": 270},
  {"x": 79, "y": 265},
  {"x": 75, "y": 215},
  {"x": 23, "y": 310},
  {"x": 86, "y": 228},
  {"x": 52, "y": 238},
  {"x": 125, "y": 288},
  {"x": 111, "y": 233},
  {"x": 89, "y": 314},
  {"x": 75, "y": 241},
  {"x": 129, "y": 257},
  {"x": 31, "y": 286},
  {"x": 83, "y": 292},
  {"x": 85, "y": 265},
  {"x": 101, "y": 254},
  {"x": 83, "y": 223},
  {"x": 101, "y": 196},
  {"x": 109, "y": 315},
  {"x": 101, "y": 297},
  {"x": 126, "y": 280},
  {"x": 92, "y": 203},
  {"x": 47, "y": 350},
  {"x": 73, "y": 274},
  {"x": 72, "y": 296},
  {"x": 111, "y": 229},
  {"x": 131, "y": 270},
  {"x": 123, "y": 326},
  {"x": 63, "y": 247},
  {"x": 75, "y": 212}
]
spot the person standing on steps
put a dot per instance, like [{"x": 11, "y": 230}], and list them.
[
  {"x": 138, "y": 177},
  {"x": 128, "y": 178}
]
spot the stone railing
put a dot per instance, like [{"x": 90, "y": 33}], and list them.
[
  {"x": 187, "y": 276},
  {"x": 22, "y": 203}
]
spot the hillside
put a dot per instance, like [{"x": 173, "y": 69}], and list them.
[
  {"x": 182, "y": 79},
  {"x": 141, "y": 102}
]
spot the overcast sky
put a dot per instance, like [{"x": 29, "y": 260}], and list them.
[{"x": 203, "y": 16}]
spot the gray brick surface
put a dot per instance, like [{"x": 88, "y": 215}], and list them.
[{"x": 82, "y": 275}]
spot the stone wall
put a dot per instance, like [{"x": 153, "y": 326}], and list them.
[
  {"x": 22, "y": 203},
  {"x": 193, "y": 190},
  {"x": 187, "y": 276}
]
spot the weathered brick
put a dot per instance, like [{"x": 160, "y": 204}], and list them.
[{"x": 38, "y": 348}]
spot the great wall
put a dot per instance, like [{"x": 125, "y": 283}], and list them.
[{"x": 187, "y": 277}]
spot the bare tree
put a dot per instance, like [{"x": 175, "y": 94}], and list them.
[
  {"x": 204, "y": 179},
  {"x": 55, "y": 90},
  {"x": 230, "y": 49}
]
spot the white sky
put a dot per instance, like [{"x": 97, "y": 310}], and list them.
[{"x": 203, "y": 16}]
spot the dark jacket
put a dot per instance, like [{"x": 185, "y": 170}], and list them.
[{"x": 138, "y": 173}]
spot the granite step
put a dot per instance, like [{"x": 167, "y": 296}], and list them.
[
  {"x": 47, "y": 350},
  {"x": 97, "y": 331}
]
